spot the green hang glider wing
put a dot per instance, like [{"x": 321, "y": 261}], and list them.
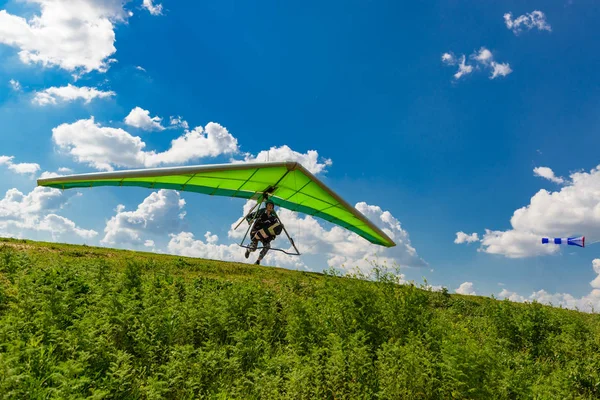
[{"x": 288, "y": 185}]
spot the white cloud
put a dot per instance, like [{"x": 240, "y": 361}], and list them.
[
  {"x": 515, "y": 244},
  {"x": 596, "y": 266},
  {"x": 547, "y": 173},
  {"x": 512, "y": 296},
  {"x": 159, "y": 214},
  {"x": 184, "y": 244},
  {"x": 21, "y": 168},
  {"x": 310, "y": 159},
  {"x": 587, "y": 303},
  {"x": 77, "y": 35},
  {"x": 48, "y": 174},
  {"x": 39, "y": 200},
  {"x": 153, "y": 9},
  {"x": 140, "y": 68},
  {"x": 448, "y": 58},
  {"x": 179, "y": 122},
  {"x": 24, "y": 216},
  {"x": 69, "y": 93},
  {"x": 462, "y": 237},
  {"x": 463, "y": 68},
  {"x": 535, "y": 19},
  {"x": 99, "y": 147},
  {"x": 500, "y": 69},
  {"x": 104, "y": 148},
  {"x": 140, "y": 118},
  {"x": 343, "y": 248},
  {"x": 572, "y": 210},
  {"x": 211, "y": 239},
  {"x": 15, "y": 85},
  {"x": 466, "y": 288},
  {"x": 58, "y": 226},
  {"x": 483, "y": 58},
  {"x": 434, "y": 288},
  {"x": 87, "y": 141},
  {"x": 211, "y": 141}
]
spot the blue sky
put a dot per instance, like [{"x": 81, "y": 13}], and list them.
[{"x": 368, "y": 94}]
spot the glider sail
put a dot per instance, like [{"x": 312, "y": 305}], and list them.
[
  {"x": 571, "y": 241},
  {"x": 287, "y": 184}
]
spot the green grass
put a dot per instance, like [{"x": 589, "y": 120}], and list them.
[{"x": 84, "y": 322}]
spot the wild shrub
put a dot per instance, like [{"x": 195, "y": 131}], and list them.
[{"x": 123, "y": 325}]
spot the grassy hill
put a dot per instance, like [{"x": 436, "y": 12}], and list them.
[{"x": 83, "y": 322}]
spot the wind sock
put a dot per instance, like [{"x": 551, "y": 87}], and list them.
[{"x": 572, "y": 241}]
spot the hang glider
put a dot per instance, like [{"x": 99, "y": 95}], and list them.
[
  {"x": 571, "y": 241},
  {"x": 287, "y": 184}
]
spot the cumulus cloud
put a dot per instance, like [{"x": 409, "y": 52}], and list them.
[
  {"x": 20, "y": 168},
  {"x": 179, "y": 122},
  {"x": 573, "y": 209},
  {"x": 51, "y": 174},
  {"x": 15, "y": 85},
  {"x": 25, "y": 216},
  {"x": 596, "y": 266},
  {"x": 140, "y": 118},
  {"x": 465, "y": 288},
  {"x": 210, "y": 238},
  {"x": 463, "y": 68},
  {"x": 462, "y": 237},
  {"x": 448, "y": 58},
  {"x": 587, "y": 303},
  {"x": 512, "y": 296},
  {"x": 69, "y": 93},
  {"x": 515, "y": 244},
  {"x": 104, "y": 148},
  {"x": 310, "y": 159},
  {"x": 184, "y": 244},
  {"x": 77, "y": 35},
  {"x": 547, "y": 173},
  {"x": 152, "y": 8},
  {"x": 342, "y": 248},
  {"x": 483, "y": 58},
  {"x": 159, "y": 214},
  {"x": 58, "y": 226},
  {"x": 535, "y": 19},
  {"x": 99, "y": 147},
  {"x": 211, "y": 141},
  {"x": 48, "y": 174},
  {"x": 498, "y": 69}
]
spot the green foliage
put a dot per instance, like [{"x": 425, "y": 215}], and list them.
[{"x": 97, "y": 323}]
